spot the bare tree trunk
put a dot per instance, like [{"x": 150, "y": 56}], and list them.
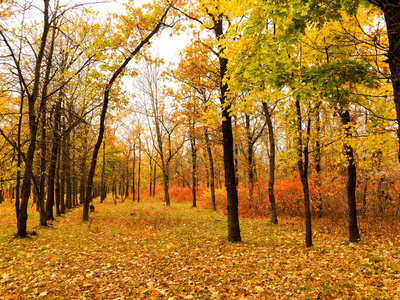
[
  {"x": 391, "y": 10},
  {"x": 127, "y": 179},
  {"x": 102, "y": 184},
  {"x": 133, "y": 174},
  {"x": 303, "y": 170},
  {"x": 354, "y": 235},
  {"x": 212, "y": 172},
  {"x": 194, "y": 167},
  {"x": 250, "y": 156},
  {"x": 57, "y": 184},
  {"x": 62, "y": 185},
  {"x": 53, "y": 161},
  {"x": 271, "y": 180},
  {"x": 318, "y": 160},
  {"x": 154, "y": 179},
  {"x": 139, "y": 168}
]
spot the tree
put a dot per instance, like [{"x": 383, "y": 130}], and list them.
[
  {"x": 391, "y": 11},
  {"x": 31, "y": 88},
  {"x": 165, "y": 122},
  {"x": 158, "y": 24},
  {"x": 213, "y": 17},
  {"x": 198, "y": 76}
]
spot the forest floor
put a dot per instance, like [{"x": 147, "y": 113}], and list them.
[{"x": 149, "y": 251}]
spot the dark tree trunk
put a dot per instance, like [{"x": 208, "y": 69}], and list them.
[
  {"x": 391, "y": 10},
  {"x": 236, "y": 155},
  {"x": 194, "y": 167},
  {"x": 354, "y": 235},
  {"x": 127, "y": 179},
  {"x": 227, "y": 140},
  {"x": 43, "y": 153},
  {"x": 303, "y": 170},
  {"x": 52, "y": 175},
  {"x": 212, "y": 172},
  {"x": 139, "y": 169},
  {"x": 271, "y": 180},
  {"x": 67, "y": 170},
  {"x": 55, "y": 150},
  {"x": 250, "y": 158},
  {"x": 44, "y": 215},
  {"x": 318, "y": 160},
  {"x": 62, "y": 181},
  {"x": 133, "y": 174},
  {"x": 19, "y": 160},
  {"x": 57, "y": 185},
  {"x": 82, "y": 189},
  {"x": 154, "y": 179},
  {"x": 103, "y": 170}
]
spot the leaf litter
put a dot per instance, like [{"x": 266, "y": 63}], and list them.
[{"x": 149, "y": 251}]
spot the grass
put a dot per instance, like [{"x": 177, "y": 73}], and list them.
[{"x": 149, "y": 251}]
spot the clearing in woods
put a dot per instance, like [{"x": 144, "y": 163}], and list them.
[{"x": 146, "y": 250}]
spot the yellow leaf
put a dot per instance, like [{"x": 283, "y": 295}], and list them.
[{"x": 259, "y": 289}]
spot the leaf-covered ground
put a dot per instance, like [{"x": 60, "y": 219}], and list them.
[{"x": 149, "y": 251}]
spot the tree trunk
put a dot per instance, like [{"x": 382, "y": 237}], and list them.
[
  {"x": 250, "y": 158},
  {"x": 102, "y": 183},
  {"x": 354, "y": 235},
  {"x": 318, "y": 160},
  {"x": 67, "y": 170},
  {"x": 133, "y": 174},
  {"x": 127, "y": 179},
  {"x": 155, "y": 179},
  {"x": 212, "y": 172},
  {"x": 271, "y": 180},
  {"x": 19, "y": 159},
  {"x": 139, "y": 169},
  {"x": 52, "y": 172},
  {"x": 62, "y": 181},
  {"x": 57, "y": 184},
  {"x": 391, "y": 10},
  {"x": 227, "y": 141},
  {"x": 194, "y": 167},
  {"x": 303, "y": 170}
]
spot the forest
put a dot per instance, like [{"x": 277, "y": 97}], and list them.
[
  {"x": 270, "y": 110},
  {"x": 269, "y": 147}
]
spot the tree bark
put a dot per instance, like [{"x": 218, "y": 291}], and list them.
[
  {"x": 271, "y": 180},
  {"x": 354, "y": 235},
  {"x": 155, "y": 179},
  {"x": 250, "y": 158},
  {"x": 318, "y": 160},
  {"x": 303, "y": 170},
  {"x": 212, "y": 172},
  {"x": 227, "y": 140},
  {"x": 53, "y": 160},
  {"x": 103, "y": 170},
  {"x": 391, "y": 10},
  {"x": 62, "y": 179},
  {"x": 139, "y": 169},
  {"x": 67, "y": 170},
  {"x": 194, "y": 166}
]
